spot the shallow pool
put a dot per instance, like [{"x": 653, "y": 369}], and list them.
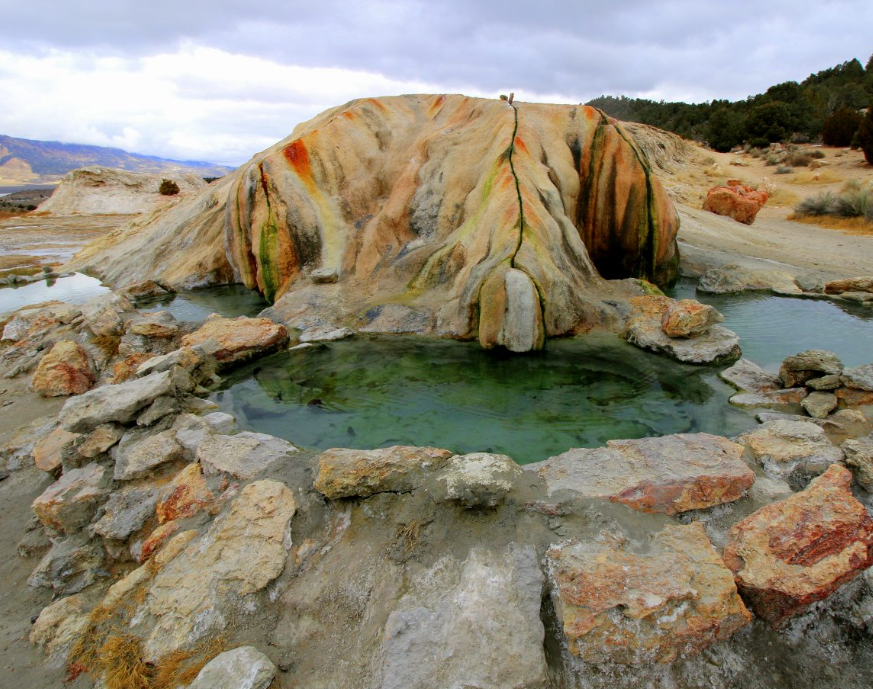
[
  {"x": 227, "y": 300},
  {"x": 375, "y": 392},
  {"x": 75, "y": 289}
]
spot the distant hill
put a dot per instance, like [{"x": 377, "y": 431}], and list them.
[
  {"x": 28, "y": 162},
  {"x": 785, "y": 111}
]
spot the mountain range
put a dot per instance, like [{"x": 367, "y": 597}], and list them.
[{"x": 25, "y": 162}]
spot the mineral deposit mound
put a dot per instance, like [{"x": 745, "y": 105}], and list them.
[{"x": 437, "y": 214}]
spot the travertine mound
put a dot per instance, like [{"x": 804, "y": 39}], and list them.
[
  {"x": 107, "y": 191},
  {"x": 479, "y": 218}
]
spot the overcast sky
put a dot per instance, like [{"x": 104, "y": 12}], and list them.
[{"x": 219, "y": 80}]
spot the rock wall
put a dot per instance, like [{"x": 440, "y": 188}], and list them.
[
  {"x": 486, "y": 219},
  {"x": 107, "y": 191}
]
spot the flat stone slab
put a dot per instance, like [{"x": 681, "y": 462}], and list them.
[
  {"x": 616, "y": 606},
  {"x": 138, "y": 453},
  {"x": 717, "y": 344},
  {"x": 769, "y": 399},
  {"x": 858, "y": 377},
  {"x": 236, "y": 339},
  {"x": 800, "y": 550},
  {"x": 120, "y": 403},
  {"x": 747, "y": 376},
  {"x": 670, "y": 474},
  {"x": 244, "y": 455},
  {"x": 69, "y": 503}
]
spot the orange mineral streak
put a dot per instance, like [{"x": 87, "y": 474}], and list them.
[
  {"x": 519, "y": 145},
  {"x": 298, "y": 157}
]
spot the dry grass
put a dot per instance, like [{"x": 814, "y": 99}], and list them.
[
  {"x": 848, "y": 225},
  {"x": 820, "y": 176},
  {"x": 410, "y": 533},
  {"x": 783, "y": 197},
  {"x": 83, "y": 654},
  {"x": 120, "y": 659},
  {"x": 183, "y": 666}
]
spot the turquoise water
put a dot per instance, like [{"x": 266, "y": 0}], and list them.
[
  {"x": 75, "y": 289},
  {"x": 772, "y": 328},
  {"x": 382, "y": 391}
]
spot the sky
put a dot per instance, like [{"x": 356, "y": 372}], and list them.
[{"x": 220, "y": 80}]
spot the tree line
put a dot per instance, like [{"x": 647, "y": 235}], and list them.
[{"x": 825, "y": 106}]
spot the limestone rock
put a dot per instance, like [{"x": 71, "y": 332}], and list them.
[
  {"x": 140, "y": 452},
  {"x": 189, "y": 358},
  {"x": 119, "y": 403},
  {"x": 344, "y": 473},
  {"x": 59, "y": 625},
  {"x": 819, "y": 404},
  {"x": 49, "y": 452},
  {"x": 807, "y": 365},
  {"x": 242, "y": 668},
  {"x": 852, "y": 397},
  {"x": 325, "y": 334},
  {"x": 782, "y": 447},
  {"x": 70, "y": 502},
  {"x": 771, "y": 399},
  {"x": 143, "y": 551},
  {"x": 738, "y": 201},
  {"x": 147, "y": 289},
  {"x": 126, "y": 512},
  {"x": 619, "y": 607},
  {"x": 244, "y": 455},
  {"x": 64, "y": 370},
  {"x": 71, "y": 565},
  {"x": 746, "y": 375},
  {"x": 513, "y": 318},
  {"x": 732, "y": 279},
  {"x": 829, "y": 382},
  {"x": 669, "y": 474},
  {"x": 101, "y": 439},
  {"x": 160, "y": 324},
  {"x": 859, "y": 457},
  {"x": 239, "y": 338},
  {"x": 420, "y": 200},
  {"x": 157, "y": 410},
  {"x": 858, "y": 377},
  {"x": 191, "y": 430},
  {"x": 185, "y": 495},
  {"x": 39, "y": 319},
  {"x": 220, "y": 422},
  {"x": 858, "y": 284},
  {"x": 689, "y": 318},
  {"x": 243, "y": 551},
  {"x": 792, "y": 553},
  {"x": 324, "y": 276},
  {"x": 718, "y": 344},
  {"x": 482, "y": 629},
  {"x": 103, "y": 314},
  {"x": 478, "y": 479}
]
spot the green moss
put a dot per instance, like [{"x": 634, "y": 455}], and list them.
[{"x": 267, "y": 259}]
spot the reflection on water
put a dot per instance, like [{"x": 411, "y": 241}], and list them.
[
  {"x": 401, "y": 390},
  {"x": 772, "y": 328},
  {"x": 227, "y": 300},
  {"x": 75, "y": 289}
]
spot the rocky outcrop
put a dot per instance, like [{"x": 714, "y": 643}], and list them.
[
  {"x": 736, "y": 200},
  {"x": 793, "y": 553},
  {"x": 496, "y": 221},
  {"x": 747, "y": 376},
  {"x": 619, "y": 607},
  {"x": 783, "y": 447},
  {"x": 670, "y": 474},
  {"x": 858, "y": 284},
  {"x": 69, "y": 504},
  {"x": 64, "y": 370},
  {"x": 242, "y": 456},
  {"x": 689, "y": 318},
  {"x": 859, "y": 458},
  {"x": 102, "y": 190}
]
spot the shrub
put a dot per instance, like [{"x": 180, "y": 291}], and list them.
[
  {"x": 840, "y": 127},
  {"x": 818, "y": 155},
  {"x": 865, "y": 135},
  {"x": 799, "y": 158},
  {"x": 821, "y": 204},
  {"x": 168, "y": 188},
  {"x": 783, "y": 170},
  {"x": 771, "y": 160},
  {"x": 856, "y": 203}
]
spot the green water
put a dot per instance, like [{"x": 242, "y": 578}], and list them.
[
  {"x": 227, "y": 300},
  {"x": 384, "y": 391},
  {"x": 772, "y": 328}
]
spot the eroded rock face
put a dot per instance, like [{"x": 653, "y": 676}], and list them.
[
  {"x": 238, "y": 338},
  {"x": 670, "y": 474},
  {"x": 784, "y": 446},
  {"x": 242, "y": 552},
  {"x": 69, "y": 503},
  {"x": 738, "y": 201},
  {"x": 619, "y": 607},
  {"x": 443, "y": 203},
  {"x": 344, "y": 473},
  {"x": 793, "y": 553},
  {"x": 65, "y": 370}
]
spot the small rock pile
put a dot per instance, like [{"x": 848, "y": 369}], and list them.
[{"x": 685, "y": 330}]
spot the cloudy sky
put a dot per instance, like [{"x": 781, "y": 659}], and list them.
[{"x": 219, "y": 80}]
